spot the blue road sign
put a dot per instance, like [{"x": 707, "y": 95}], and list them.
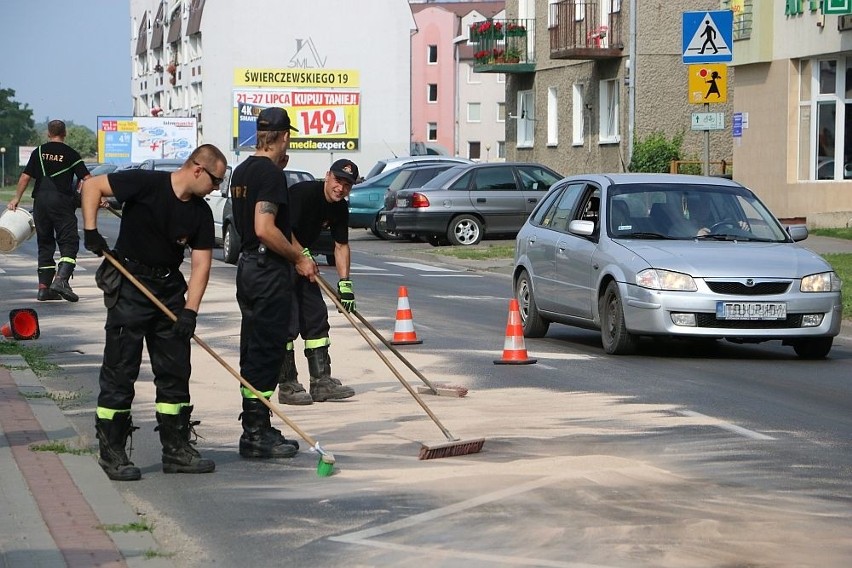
[
  {"x": 708, "y": 37},
  {"x": 737, "y": 126}
]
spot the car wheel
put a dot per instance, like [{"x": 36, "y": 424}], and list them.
[
  {"x": 816, "y": 348},
  {"x": 534, "y": 325},
  {"x": 230, "y": 245},
  {"x": 464, "y": 230},
  {"x": 614, "y": 335},
  {"x": 329, "y": 260}
]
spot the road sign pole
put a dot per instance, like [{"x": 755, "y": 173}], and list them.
[{"x": 706, "y": 145}]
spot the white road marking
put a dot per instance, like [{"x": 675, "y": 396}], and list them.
[
  {"x": 728, "y": 426},
  {"x": 365, "y": 537},
  {"x": 421, "y": 267},
  {"x": 459, "y": 275},
  {"x": 466, "y": 298}
]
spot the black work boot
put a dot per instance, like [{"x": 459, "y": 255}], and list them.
[
  {"x": 60, "y": 283},
  {"x": 112, "y": 439},
  {"x": 323, "y": 386},
  {"x": 45, "y": 277},
  {"x": 179, "y": 453},
  {"x": 260, "y": 439},
  {"x": 290, "y": 391}
]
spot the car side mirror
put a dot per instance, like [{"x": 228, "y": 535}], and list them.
[
  {"x": 582, "y": 228},
  {"x": 798, "y": 232}
]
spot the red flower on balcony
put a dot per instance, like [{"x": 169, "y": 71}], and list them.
[
  {"x": 482, "y": 55},
  {"x": 513, "y": 29}
]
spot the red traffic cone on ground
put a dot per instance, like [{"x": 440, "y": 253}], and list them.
[
  {"x": 514, "y": 352},
  {"x": 403, "y": 331},
  {"x": 22, "y": 324}
]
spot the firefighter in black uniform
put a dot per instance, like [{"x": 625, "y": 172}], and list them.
[
  {"x": 162, "y": 214},
  {"x": 53, "y": 165},
  {"x": 315, "y": 205},
  {"x": 264, "y": 278}
]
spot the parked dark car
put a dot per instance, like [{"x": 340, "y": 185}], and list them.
[
  {"x": 223, "y": 214},
  {"x": 368, "y": 198},
  {"x": 465, "y": 203}
]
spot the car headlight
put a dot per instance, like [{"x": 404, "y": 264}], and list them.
[
  {"x": 656, "y": 279},
  {"x": 822, "y": 282}
]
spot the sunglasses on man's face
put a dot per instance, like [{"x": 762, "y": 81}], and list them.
[{"x": 215, "y": 180}]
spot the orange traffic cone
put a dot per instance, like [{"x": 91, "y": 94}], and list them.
[
  {"x": 403, "y": 331},
  {"x": 23, "y": 324},
  {"x": 514, "y": 352}
]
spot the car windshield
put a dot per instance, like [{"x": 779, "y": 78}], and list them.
[{"x": 678, "y": 211}]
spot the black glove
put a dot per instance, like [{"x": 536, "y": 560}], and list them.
[
  {"x": 347, "y": 296},
  {"x": 184, "y": 326},
  {"x": 95, "y": 242}
]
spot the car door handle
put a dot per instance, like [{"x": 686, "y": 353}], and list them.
[
  {"x": 481, "y": 200},
  {"x": 532, "y": 199},
  {"x": 531, "y": 240}
]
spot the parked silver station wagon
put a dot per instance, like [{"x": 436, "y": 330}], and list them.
[{"x": 671, "y": 255}]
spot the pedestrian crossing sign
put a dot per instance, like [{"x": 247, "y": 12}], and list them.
[{"x": 708, "y": 37}]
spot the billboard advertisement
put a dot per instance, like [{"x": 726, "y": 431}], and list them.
[
  {"x": 323, "y": 104},
  {"x": 133, "y": 139}
]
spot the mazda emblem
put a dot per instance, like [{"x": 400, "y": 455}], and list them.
[{"x": 749, "y": 282}]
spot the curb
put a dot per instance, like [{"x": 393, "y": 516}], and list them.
[{"x": 99, "y": 492}]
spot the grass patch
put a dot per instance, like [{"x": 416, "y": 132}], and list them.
[
  {"x": 836, "y": 233},
  {"x": 138, "y": 526},
  {"x": 150, "y": 554},
  {"x": 479, "y": 252},
  {"x": 8, "y": 192},
  {"x": 842, "y": 265},
  {"x": 59, "y": 448},
  {"x": 36, "y": 357}
]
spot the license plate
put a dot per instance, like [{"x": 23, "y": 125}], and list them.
[{"x": 751, "y": 310}]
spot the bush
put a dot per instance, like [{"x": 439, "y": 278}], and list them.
[{"x": 655, "y": 153}]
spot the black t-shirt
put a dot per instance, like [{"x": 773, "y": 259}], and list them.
[
  {"x": 61, "y": 163},
  {"x": 310, "y": 213},
  {"x": 156, "y": 226},
  {"x": 258, "y": 179}
]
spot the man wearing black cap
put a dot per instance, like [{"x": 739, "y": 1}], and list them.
[
  {"x": 265, "y": 278},
  {"x": 315, "y": 205}
]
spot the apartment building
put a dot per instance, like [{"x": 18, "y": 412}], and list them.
[
  {"x": 453, "y": 109},
  {"x": 341, "y": 69}
]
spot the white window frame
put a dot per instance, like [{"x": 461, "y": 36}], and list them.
[
  {"x": 552, "y": 117},
  {"x": 501, "y": 112},
  {"x": 501, "y": 149},
  {"x": 429, "y": 49},
  {"x": 429, "y": 98},
  {"x": 469, "y": 155},
  {"x": 809, "y": 107},
  {"x": 470, "y": 108},
  {"x": 525, "y": 119},
  {"x": 551, "y": 13},
  {"x": 578, "y": 115},
  {"x": 430, "y": 127},
  {"x": 473, "y": 78},
  {"x": 608, "y": 117}
]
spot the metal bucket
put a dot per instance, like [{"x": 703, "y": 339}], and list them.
[{"x": 15, "y": 227}]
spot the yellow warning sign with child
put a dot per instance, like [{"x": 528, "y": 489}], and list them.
[{"x": 708, "y": 83}]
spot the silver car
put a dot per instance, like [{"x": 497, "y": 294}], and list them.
[{"x": 671, "y": 255}]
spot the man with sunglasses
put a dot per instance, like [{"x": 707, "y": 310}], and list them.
[
  {"x": 314, "y": 206},
  {"x": 163, "y": 213}
]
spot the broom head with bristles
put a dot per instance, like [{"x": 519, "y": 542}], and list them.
[
  {"x": 444, "y": 390},
  {"x": 451, "y": 449}
]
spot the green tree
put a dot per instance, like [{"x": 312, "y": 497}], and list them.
[
  {"x": 654, "y": 153},
  {"x": 16, "y": 127}
]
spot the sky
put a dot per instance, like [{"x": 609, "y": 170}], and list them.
[{"x": 67, "y": 59}]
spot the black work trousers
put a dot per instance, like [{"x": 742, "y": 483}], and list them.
[
  {"x": 131, "y": 320},
  {"x": 264, "y": 296},
  {"x": 56, "y": 223},
  {"x": 309, "y": 313}
]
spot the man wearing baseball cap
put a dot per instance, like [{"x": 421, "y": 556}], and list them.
[
  {"x": 315, "y": 205},
  {"x": 268, "y": 259}
]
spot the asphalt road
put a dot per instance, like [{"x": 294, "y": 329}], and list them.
[{"x": 720, "y": 455}]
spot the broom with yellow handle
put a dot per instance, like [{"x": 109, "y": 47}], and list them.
[
  {"x": 326, "y": 461},
  {"x": 454, "y": 446}
]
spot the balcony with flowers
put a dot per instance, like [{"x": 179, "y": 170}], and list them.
[
  {"x": 503, "y": 46},
  {"x": 578, "y": 31}
]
